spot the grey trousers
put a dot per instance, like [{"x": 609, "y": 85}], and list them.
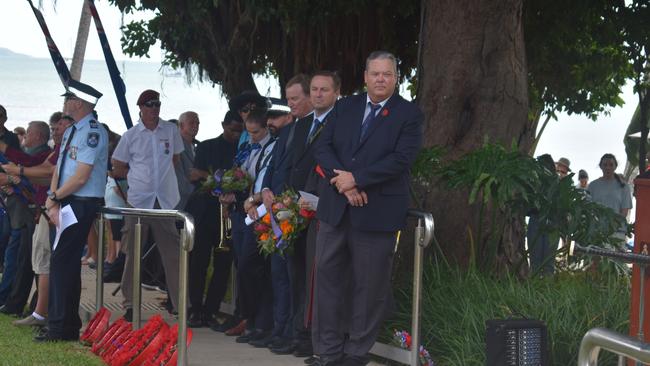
[
  {"x": 167, "y": 239},
  {"x": 352, "y": 288}
]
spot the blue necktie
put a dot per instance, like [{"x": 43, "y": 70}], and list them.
[
  {"x": 369, "y": 119},
  {"x": 314, "y": 131}
]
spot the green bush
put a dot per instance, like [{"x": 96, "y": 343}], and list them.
[{"x": 456, "y": 303}]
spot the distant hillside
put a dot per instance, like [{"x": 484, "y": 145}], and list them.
[{"x": 5, "y": 52}]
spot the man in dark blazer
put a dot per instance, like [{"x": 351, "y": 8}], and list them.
[
  {"x": 365, "y": 151},
  {"x": 293, "y": 172}
]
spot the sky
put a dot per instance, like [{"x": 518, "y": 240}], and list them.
[{"x": 577, "y": 138}]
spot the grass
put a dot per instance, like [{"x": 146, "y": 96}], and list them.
[
  {"x": 18, "y": 348},
  {"x": 456, "y": 303}
]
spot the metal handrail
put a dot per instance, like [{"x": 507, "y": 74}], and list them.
[
  {"x": 423, "y": 238},
  {"x": 186, "y": 245},
  {"x": 599, "y": 338},
  {"x": 642, "y": 260}
]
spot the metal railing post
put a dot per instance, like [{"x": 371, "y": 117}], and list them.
[
  {"x": 99, "y": 287},
  {"x": 182, "y": 297},
  {"x": 417, "y": 292},
  {"x": 137, "y": 291},
  {"x": 186, "y": 244}
]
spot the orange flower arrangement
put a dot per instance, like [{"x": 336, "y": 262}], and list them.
[{"x": 277, "y": 233}]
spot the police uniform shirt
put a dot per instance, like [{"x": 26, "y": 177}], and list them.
[
  {"x": 149, "y": 154},
  {"x": 89, "y": 145}
]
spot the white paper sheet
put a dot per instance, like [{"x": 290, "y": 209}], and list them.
[
  {"x": 261, "y": 211},
  {"x": 308, "y": 197},
  {"x": 66, "y": 219}
]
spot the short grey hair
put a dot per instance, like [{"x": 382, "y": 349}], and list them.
[
  {"x": 42, "y": 128},
  {"x": 185, "y": 115},
  {"x": 382, "y": 55}
]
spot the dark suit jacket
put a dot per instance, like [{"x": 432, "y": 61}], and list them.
[
  {"x": 380, "y": 163},
  {"x": 277, "y": 170},
  {"x": 304, "y": 159}
]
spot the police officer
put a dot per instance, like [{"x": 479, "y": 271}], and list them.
[{"x": 77, "y": 186}]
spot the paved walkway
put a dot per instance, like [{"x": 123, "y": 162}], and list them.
[{"x": 207, "y": 347}]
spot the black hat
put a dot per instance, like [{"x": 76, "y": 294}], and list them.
[
  {"x": 249, "y": 96},
  {"x": 82, "y": 91},
  {"x": 279, "y": 107},
  {"x": 582, "y": 174}
]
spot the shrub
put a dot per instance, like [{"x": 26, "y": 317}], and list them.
[{"x": 456, "y": 303}]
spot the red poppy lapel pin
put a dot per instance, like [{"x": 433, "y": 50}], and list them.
[{"x": 385, "y": 112}]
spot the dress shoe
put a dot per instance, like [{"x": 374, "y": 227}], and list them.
[
  {"x": 355, "y": 361},
  {"x": 128, "y": 315},
  {"x": 326, "y": 361},
  {"x": 210, "y": 320},
  {"x": 230, "y": 322},
  {"x": 283, "y": 348},
  {"x": 30, "y": 321},
  {"x": 237, "y": 329},
  {"x": 262, "y": 340},
  {"x": 196, "y": 320},
  {"x": 246, "y": 336},
  {"x": 5, "y": 310},
  {"x": 311, "y": 360},
  {"x": 46, "y": 338},
  {"x": 303, "y": 349}
]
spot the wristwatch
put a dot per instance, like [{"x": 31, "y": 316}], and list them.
[{"x": 52, "y": 196}]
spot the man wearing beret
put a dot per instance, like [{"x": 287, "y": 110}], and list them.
[{"x": 146, "y": 155}]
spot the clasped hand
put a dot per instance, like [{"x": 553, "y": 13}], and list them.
[{"x": 345, "y": 184}]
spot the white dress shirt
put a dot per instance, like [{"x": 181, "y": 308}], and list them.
[{"x": 151, "y": 168}]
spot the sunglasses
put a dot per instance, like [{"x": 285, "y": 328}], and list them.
[
  {"x": 246, "y": 109},
  {"x": 152, "y": 104}
]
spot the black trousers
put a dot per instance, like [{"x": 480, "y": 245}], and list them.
[
  {"x": 298, "y": 290},
  {"x": 254, "y": 280},
  {"x": 65, "y": 272},
  {"x": 206, "y": 239},
  {"x": 352, "y": 288},
  {"x": 22, "y": 286}
]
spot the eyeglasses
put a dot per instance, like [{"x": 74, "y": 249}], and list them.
[
  {"x": 152, "y": 104},
  {"x": 246, "y": 109}
]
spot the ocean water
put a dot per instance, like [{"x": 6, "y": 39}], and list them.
[{"x": 30, "y": 90}]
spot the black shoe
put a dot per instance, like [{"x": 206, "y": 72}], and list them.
[
  {"x": 283, "y": 348},
  {"x": 311, "y": 360},
  {"x": 355, "y": 361},
  {"x": 326, "y": 361},
  {"x": 46, "y": 338},
  {"x": 303, "y": 349},
  {"x": 246, "y": 337},
  {"x": 196, "y": 321},
  {"x": 230, "y": 322},
  {"x": 261, "y": 341},
  {"x": 128, "y": 315},
  {"x": 112, "y": 275},
  {"x": 4, "y": 309},
  {"x": 210, "y": 320}
]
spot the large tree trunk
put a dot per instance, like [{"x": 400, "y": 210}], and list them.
[{"x": 472, "y": 86}]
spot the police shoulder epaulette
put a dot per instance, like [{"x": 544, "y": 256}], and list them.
[{"x": 93, "y": 124}]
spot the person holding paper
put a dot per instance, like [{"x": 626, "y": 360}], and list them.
[
  {"x": 78, "y": 187},
  {"x": 365, "y": 151}
]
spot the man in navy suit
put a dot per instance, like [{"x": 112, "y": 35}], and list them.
[{"x": 365, "y": 151}]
